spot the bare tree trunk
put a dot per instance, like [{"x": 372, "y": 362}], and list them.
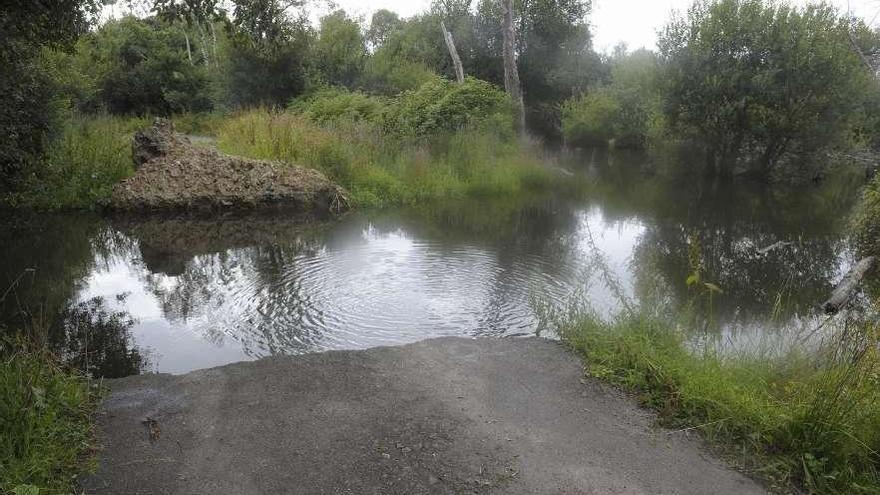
[
  {"x": 203, "y": 43},
  {"x": 189, "y": 54},
  {"x": 456, "y": 61},
  {"x": 511, "y": 75},
  {"x": 846, "y": 289},
  {"x": 214, "y": 44}
]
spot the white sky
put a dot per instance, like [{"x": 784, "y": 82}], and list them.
[{"x": 634, "y": 22}]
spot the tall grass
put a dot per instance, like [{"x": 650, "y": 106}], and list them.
[
  {"x": 866, "y": 220},
  {"x": 45, "y": 422},
  {"x": 808, "y": 420},
  {"x": 381, "y": 169},
  {"x": 89, "y": 155},
  {"x": 82, "y": 164}
]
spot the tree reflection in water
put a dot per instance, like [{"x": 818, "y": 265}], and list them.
[
  {"x": 96, "y": 340},
  {"x": 266, "y": 283}
]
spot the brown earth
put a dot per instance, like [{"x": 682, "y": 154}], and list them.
[{"x": 173, "y": 174}]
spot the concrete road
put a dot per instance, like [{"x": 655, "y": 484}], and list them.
[{"x": 450, "y": 415}]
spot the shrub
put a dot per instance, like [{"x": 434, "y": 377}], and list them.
[
  {"x": 590, "y": 119},
  {"x": 336, "y": 105},
  {"x": 141, "y": 67},
  {"x": 440, "y": 106},
  {"x": 391, "y": 77},
  {"x": 626, "y": 110}
]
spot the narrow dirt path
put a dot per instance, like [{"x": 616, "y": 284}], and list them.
[{"x": 450, "y": 415}]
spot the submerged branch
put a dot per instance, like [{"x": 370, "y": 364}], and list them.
[{"x": 847, "y": 287}]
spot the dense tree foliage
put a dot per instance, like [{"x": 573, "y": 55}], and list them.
[
  {"x": 340, "y": 50},
  {"x": 753, "y": 79},
  {"x": 30, "y": 109},
  {"x": 554, "y": 49},
  {"x": 626, "y": 109},
  {"x": 140, "y": 67},
  {"x": 267, "y": 54}
]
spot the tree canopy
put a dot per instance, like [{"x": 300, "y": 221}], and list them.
[{"x": 753, "y": 79}]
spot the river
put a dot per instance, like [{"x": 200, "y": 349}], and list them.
[{"x": 205, "y": 292}]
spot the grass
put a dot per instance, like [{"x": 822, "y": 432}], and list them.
[
  {"x": 92, "y": 153},
  {"x": 866, "y": 221},
  {"x": 82, "y": 164},
  {"x": 45, "y": 423},
  {"x": 89, "y": 155},
  {"x": 381, "y": 169},
  {"x": 199, "y": 124},
  {"x": 805, "y": 420}
]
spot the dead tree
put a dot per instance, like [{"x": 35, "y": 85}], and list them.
[
  {"x": 847, "y": 287},
  {"x": 456, "y": 61},
  {"x": 511, "y": 75}
]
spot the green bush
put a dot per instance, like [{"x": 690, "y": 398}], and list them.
[
  {"x": 140, "y": 66},
  {"x": 337, "y": 105},
  {"x": 440, "y": 106},
  {"x": 590, "y": 119},
  {"x": 437, "y": 108},
  {"x": 391, "y": 77},
  {"x": 626, "y": 110},
  {"x": 866, "y": 221}
]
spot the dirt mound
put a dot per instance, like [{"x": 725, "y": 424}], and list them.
[{"x": 174, "y": 174}]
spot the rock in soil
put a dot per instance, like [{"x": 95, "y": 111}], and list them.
[{"x": 172, "y": 174}]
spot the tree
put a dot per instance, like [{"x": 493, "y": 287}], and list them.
[
  {"x": 554, "y": 47},
  {"x": 511, "y": 74},
  {"x": 30, "y": 107},
  {"x": 382, "y": 25},
  {"x": 198, "y": 16},
  {"x": 267, "y": 53},
  {"x": 754, "y": 80},
  {"x": 627, "y": 109},
  {"x": 340, "y": 50},
  {"x": 141, "y": 67}
]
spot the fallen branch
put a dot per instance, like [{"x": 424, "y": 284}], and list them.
[
  {"x": 847, "y": 287},
  {"x": 775, "y": 245}
]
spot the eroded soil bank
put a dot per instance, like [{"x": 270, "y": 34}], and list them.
[
  {"x": 449, "y": 415},
  {"x": 173, "y": 174}
]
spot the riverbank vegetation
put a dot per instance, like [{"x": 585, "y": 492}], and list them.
[
  {"x": 46, "y": 414},
  {"x": 440, "y": 141},
  {"x": 866, "y": 221},
  {"x": 50, "y": 373},
  {"x": 756, "y": 85},
  {"x": 802, "y": 418},
  {"x": 196, "y": 58}
]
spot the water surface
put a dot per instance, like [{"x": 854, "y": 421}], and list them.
[{"x": 205, "y": 292}]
